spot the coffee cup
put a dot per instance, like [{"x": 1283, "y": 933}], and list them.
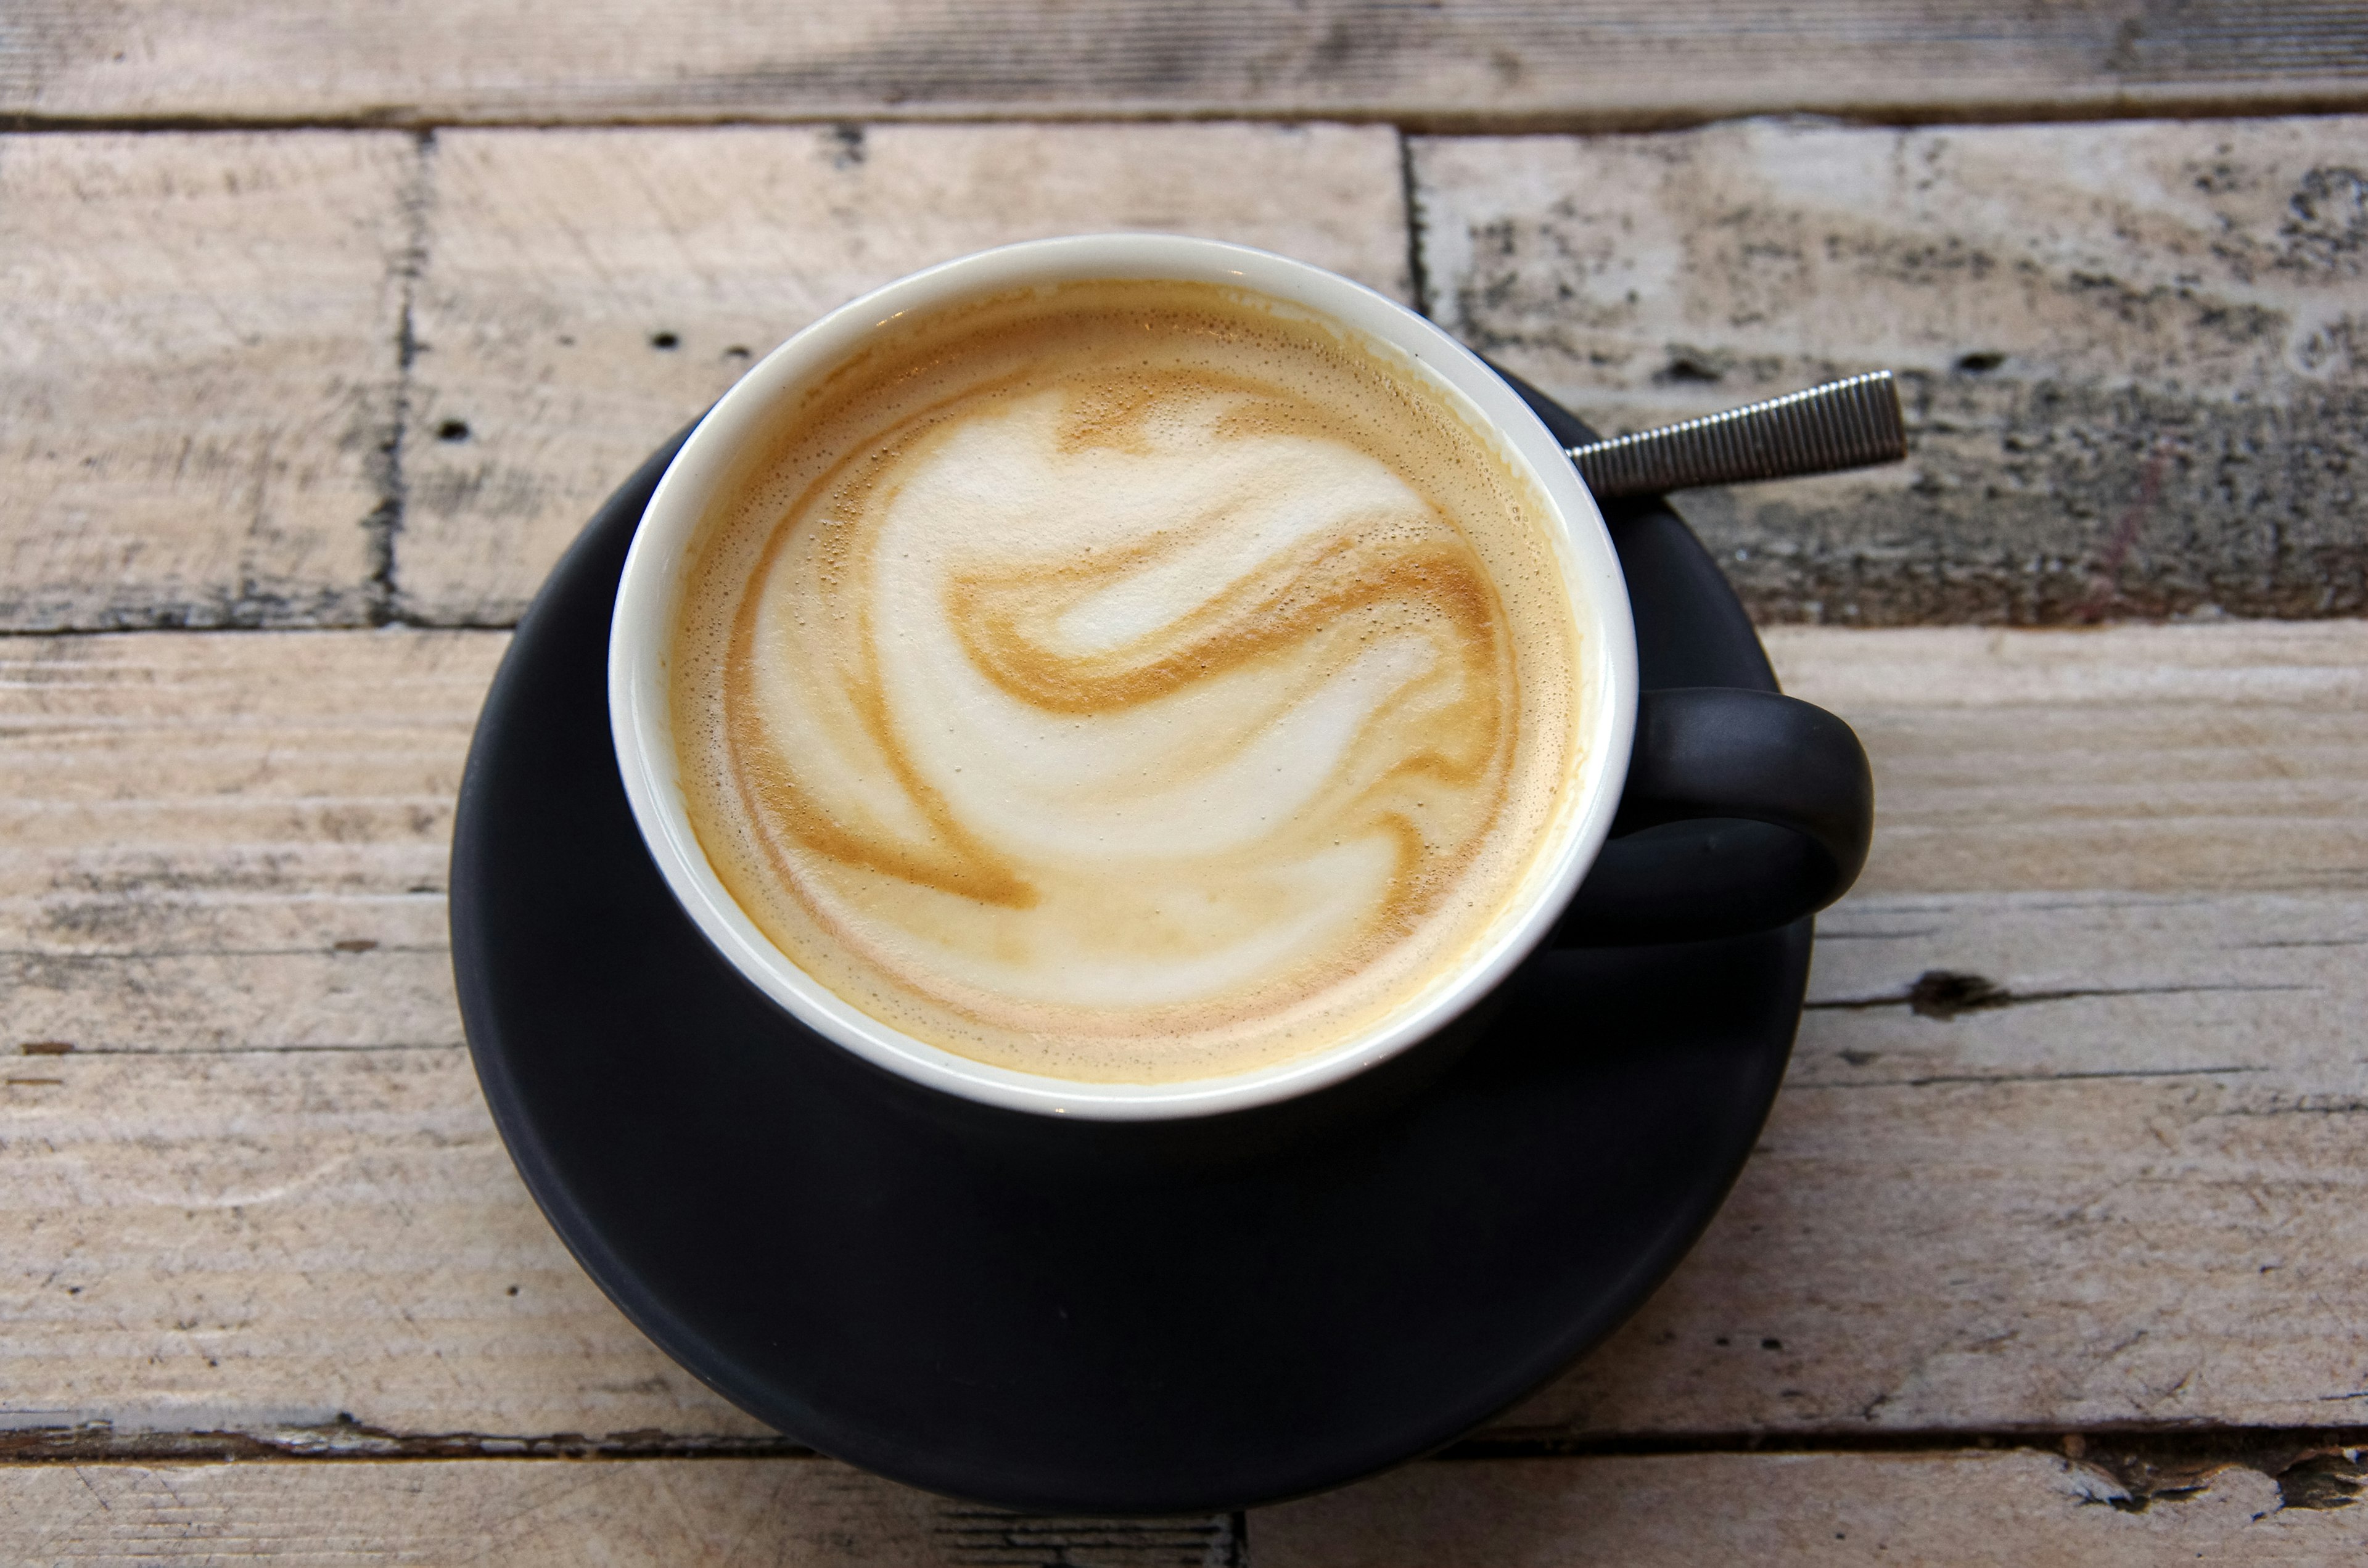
[{"x": 1135, "y": 678}]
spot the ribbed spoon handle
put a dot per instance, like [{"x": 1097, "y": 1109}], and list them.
[{"x": 1847, "y": 423}]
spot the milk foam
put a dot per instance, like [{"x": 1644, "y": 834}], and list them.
[{"x": 1124, "y": 682}]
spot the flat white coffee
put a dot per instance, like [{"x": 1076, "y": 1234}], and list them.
[{"x": 1125, "y": 682}]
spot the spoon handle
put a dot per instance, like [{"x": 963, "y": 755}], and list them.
[{"x": 1850, "y": 423}]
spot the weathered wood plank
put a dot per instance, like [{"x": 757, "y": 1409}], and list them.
[
  {"x": 2165, "y": 426},
  {"x": 587, "y": 293},
  {"x": 264, "y": 1242},
  {"x": 199, "y": 386},
  {"x": 2134, "y": 1197},
  {"x": 231, "y": 841},
  {"x": 1958, "y": 1509},
  {"x": 176, "y": 810},
  {"x": 1952, "y": 1508},
  {"x": 2144, "y": 758},
  {"x": 2124, "y": 1192},
  {"x": 2133, "y": 352},
  {"x": 524, "y": 1514},
  {"x": 2114, "y": 1179},
  {"x": 1462, "y": 63}
]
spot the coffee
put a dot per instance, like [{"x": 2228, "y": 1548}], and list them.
[{"x": 1125, "y": 682}]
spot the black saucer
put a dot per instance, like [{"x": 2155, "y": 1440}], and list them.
[{"x": 1019, "y": 1310}]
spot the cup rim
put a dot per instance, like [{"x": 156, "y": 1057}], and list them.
[{"x": 647, "y": 596}]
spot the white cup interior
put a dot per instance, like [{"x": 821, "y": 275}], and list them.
[{"x": 648, "y": 594}]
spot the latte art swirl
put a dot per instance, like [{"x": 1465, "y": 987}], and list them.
[{"x": 1084, "y": 691}]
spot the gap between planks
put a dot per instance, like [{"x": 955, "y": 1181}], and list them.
[
  {"x": 1444, "y": 125},
  {"x": 2135, "y": 1449}
]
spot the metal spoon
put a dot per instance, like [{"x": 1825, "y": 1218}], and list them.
[{"x": 1852, "y": 423}]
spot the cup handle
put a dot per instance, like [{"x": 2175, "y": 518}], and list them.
[{"x": 1778, "y": 808}]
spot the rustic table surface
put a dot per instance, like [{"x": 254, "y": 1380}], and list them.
[{"x": 322, "y": 328}]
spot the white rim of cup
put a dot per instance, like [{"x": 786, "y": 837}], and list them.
[{"x": 641, "y": 723}]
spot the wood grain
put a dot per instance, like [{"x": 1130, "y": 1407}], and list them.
[
  {"x": 240, "y": 841},
  {"x": 2168, "y": 759},
  {"x": 2118, "y": 1194},
  {"x": 2106, "y": 1175},
  {"x": 1462, "y": 63},
  {"x": 1967, "y": 1507},
  {"x": 231, "y": 841},
  {"x": 2133, "y": 378},
  {"x": 2135, "y": 355},
  {"x": 588, "y": 293},
  {"x": 1960, "y": 1510},
  {"x": 267, "y": 1242},
  {"x": 677, "y": 1514},
  {"x": 200, "y": 384},
  {"x": 2129, "y": 1197},
  {"x": 2068, "y": 1143}
]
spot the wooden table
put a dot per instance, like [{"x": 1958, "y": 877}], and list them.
[{"x": 321, "y": 331}]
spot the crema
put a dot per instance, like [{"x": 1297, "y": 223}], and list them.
[{"x": 1125, "y": 682}]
